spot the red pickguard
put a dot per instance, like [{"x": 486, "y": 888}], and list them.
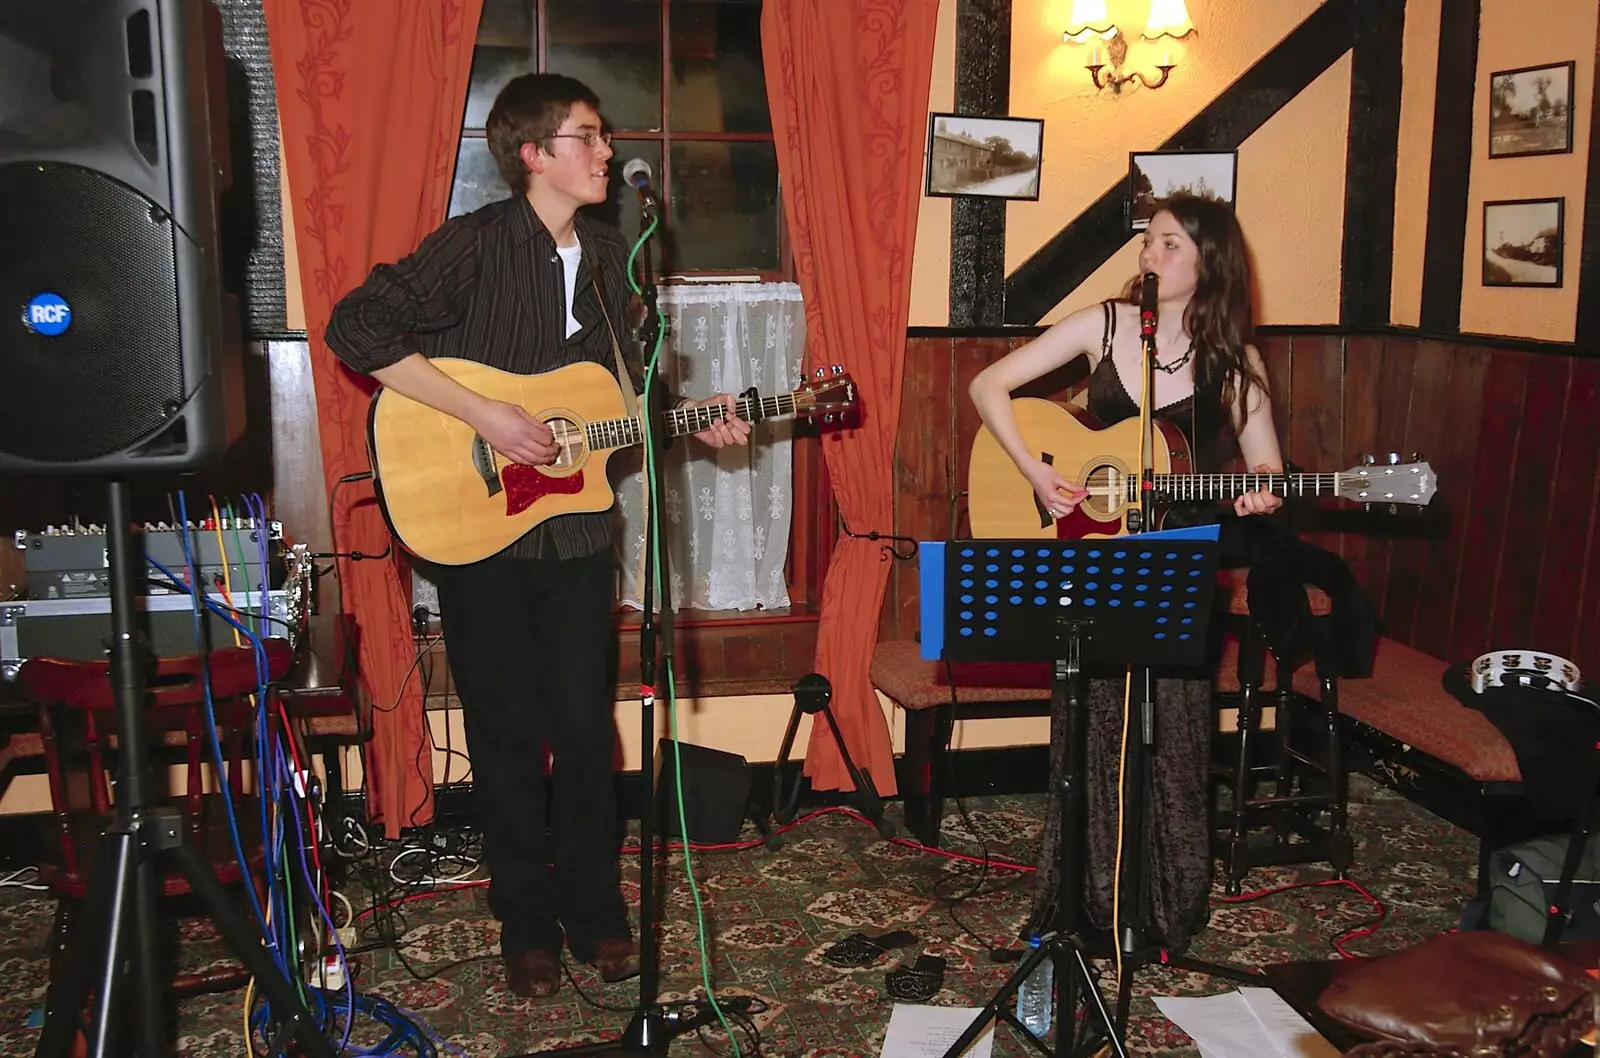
[
  {"x": 1078, "y": 525},
  {"x": 527, "y": 485}
]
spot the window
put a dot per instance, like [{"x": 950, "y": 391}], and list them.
[{"x": 681, "y": 84}]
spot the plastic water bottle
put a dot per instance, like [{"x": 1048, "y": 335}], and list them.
[{"x": 1037, "y": 995}]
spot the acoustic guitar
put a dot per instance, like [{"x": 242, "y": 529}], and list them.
[
  {"x": 451, "y": 498},
  {"x": 1105, "y": 461}
]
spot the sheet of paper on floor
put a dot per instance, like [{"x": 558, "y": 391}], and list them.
[
  {"x": 918, "y": 1031},
  {"x": 1249, "y": 1023}
]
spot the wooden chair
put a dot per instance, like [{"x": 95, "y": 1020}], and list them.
[
  {"x": 77, "y": 721},
  {"x": 1303, "y": 819}
]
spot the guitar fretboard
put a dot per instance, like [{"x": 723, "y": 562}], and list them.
[
  {"x": 620, "y": 433},
  {"x": 1226, "y": 486}
]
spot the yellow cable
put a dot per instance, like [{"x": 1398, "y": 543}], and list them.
[
  {"x": 1116, "y": 869},
  {"x": 227, "y": 579},
  {"x": 249, "y": 994}
]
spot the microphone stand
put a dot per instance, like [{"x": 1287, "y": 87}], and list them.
[
  {"x": 1141, "y": 749},
  {"x": 651, "y": 1030}
]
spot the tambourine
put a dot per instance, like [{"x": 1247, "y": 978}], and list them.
[{"x": 1525, "y": 668}]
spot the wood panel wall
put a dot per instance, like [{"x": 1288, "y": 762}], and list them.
[{"x": 1508, "y": 553}]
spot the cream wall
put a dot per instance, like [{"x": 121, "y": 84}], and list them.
[
  {"x": 1291, "y": 172},
  {"x": 1514, "y": 33}
]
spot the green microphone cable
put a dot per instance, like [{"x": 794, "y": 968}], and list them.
[{"x": 664, "y": 602}]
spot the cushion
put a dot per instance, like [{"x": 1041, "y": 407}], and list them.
[
  {"x": 911, "y": 683},
  {"x": 1406, "y": 700}
]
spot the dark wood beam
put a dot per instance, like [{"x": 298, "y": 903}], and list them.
[
  {"x": 978, "y": 225},
  {"x": 1367, "y": 265},
  {"x": 1451, "y": 169},
  {"x": 1588, "y": 328}
]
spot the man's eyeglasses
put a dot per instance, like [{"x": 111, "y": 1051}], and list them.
[{"x": 590, "y": 139}]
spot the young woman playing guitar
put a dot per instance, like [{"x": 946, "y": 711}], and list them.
[{"x": 1210, "y": 383}]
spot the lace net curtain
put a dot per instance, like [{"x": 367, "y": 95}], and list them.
[{"x": 725, "y": 513}]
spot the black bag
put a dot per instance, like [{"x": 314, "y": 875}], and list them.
[{"x": 1522, "y": 887}]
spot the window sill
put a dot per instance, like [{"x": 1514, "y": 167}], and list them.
[{"x": 717, "y": 654}]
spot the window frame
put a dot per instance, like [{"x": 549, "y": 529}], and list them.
[{"x": 784, "y": 272}]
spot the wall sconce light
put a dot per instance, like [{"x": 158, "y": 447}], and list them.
[{"x": 1089, "y": 24}]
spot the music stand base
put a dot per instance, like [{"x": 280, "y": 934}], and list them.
[{"x": 1075, "y": 983}]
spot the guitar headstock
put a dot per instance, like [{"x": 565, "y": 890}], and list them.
[
  {"x": 827, "y": 396},
  {"x": 1391, "y": 482}
]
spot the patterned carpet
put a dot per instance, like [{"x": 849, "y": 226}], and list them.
[{"x": 770, "y": 915}]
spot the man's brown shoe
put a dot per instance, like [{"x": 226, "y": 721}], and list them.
[
  {"x": 533, "y": 974},
  {"x": 617, "y": 959}
]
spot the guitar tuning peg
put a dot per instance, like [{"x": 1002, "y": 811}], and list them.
[
  {"x": 828, "y": 417},
  {"x": 1367, "y": 460},
  {"x": 1394, "y": 508},
  {"x": 822, "y": 372},
  {"x": 1394, "y": 458},
  {"x": 1367, "y": 507},
  {"x": 1416, "y": 457},
  {"x": 838, "y": 369}
]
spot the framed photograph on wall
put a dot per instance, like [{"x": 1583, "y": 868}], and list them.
[
  {"x": 990, "y": 157},
  {"x": 1155, "y": 176},
  {"x": 1523, "y": 242},
  {"x": 1530, "y": 111}
]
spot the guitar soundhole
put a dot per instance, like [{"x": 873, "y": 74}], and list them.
[
  {"x": 1107, "y": 487},
  {"x": 569, "y": 437}
]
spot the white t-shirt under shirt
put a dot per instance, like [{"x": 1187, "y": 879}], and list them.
[{"x": 569, "y": 263}]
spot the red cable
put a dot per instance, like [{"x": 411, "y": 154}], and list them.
[
  {"x": 1366, "y": 930},
  {"x": 1338, "y": 942}
]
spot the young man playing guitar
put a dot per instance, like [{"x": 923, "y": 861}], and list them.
[{"x": 527, "y": 285}]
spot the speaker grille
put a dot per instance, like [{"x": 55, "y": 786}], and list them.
[{"x": 116, "y": 374}]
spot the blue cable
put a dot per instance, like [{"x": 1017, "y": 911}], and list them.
[{"x": 211, "y": 718}]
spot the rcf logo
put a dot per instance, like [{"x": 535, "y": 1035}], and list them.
[{"x": 47, "y": 314}]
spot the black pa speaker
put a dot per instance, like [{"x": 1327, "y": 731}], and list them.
[
  {"x": 716, "y": 793},
  {"x": 116, "y": 346}
]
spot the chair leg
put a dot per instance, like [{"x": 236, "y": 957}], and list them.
[
  {"x": 1250, "y": 672},
  {"x": 919, "y": 741}
]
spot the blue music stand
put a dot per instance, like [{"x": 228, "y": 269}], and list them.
[
  {"x": 1142, "y": 601},
  {"x": 1146, "y": 598}
]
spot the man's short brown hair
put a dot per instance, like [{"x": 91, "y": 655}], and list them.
[{"x": 529, "y": 109}]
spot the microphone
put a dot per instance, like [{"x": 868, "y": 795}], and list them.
[
  {"x": 1147, "y": 306},
  {"x": 637, "y": 175}
]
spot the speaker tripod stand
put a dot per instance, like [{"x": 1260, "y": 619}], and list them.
[{"x": 115, "y": 944}]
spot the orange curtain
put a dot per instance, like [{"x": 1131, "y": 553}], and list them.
[
  {"x": 370, "y": 102},
  {"x": 848, "y": 85}
]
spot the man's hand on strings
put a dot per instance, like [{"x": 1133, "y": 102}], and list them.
[{"x": 730, "y": 430}]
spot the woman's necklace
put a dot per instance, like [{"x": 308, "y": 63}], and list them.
[{"x": 1172, "y": 367}]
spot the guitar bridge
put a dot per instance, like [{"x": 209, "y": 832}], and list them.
[{"x": 483, "y": 463}]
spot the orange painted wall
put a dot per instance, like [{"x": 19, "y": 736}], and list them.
[
  {"x": 1291, "y": 172},
  {"x": 1088, "y": 134},
  {"x": 1512, "y": 34}
]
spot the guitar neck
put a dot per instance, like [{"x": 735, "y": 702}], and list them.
[
  {"x": 1227, "y": 486},
  {"x": 620, "y": 433}
]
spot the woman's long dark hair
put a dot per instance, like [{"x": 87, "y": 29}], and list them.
[{"x": 1219, "y": 317}]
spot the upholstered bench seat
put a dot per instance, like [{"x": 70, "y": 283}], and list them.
[
  {"x": 1406, "y": 700},
  {"x": 912, "y": 683}
]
